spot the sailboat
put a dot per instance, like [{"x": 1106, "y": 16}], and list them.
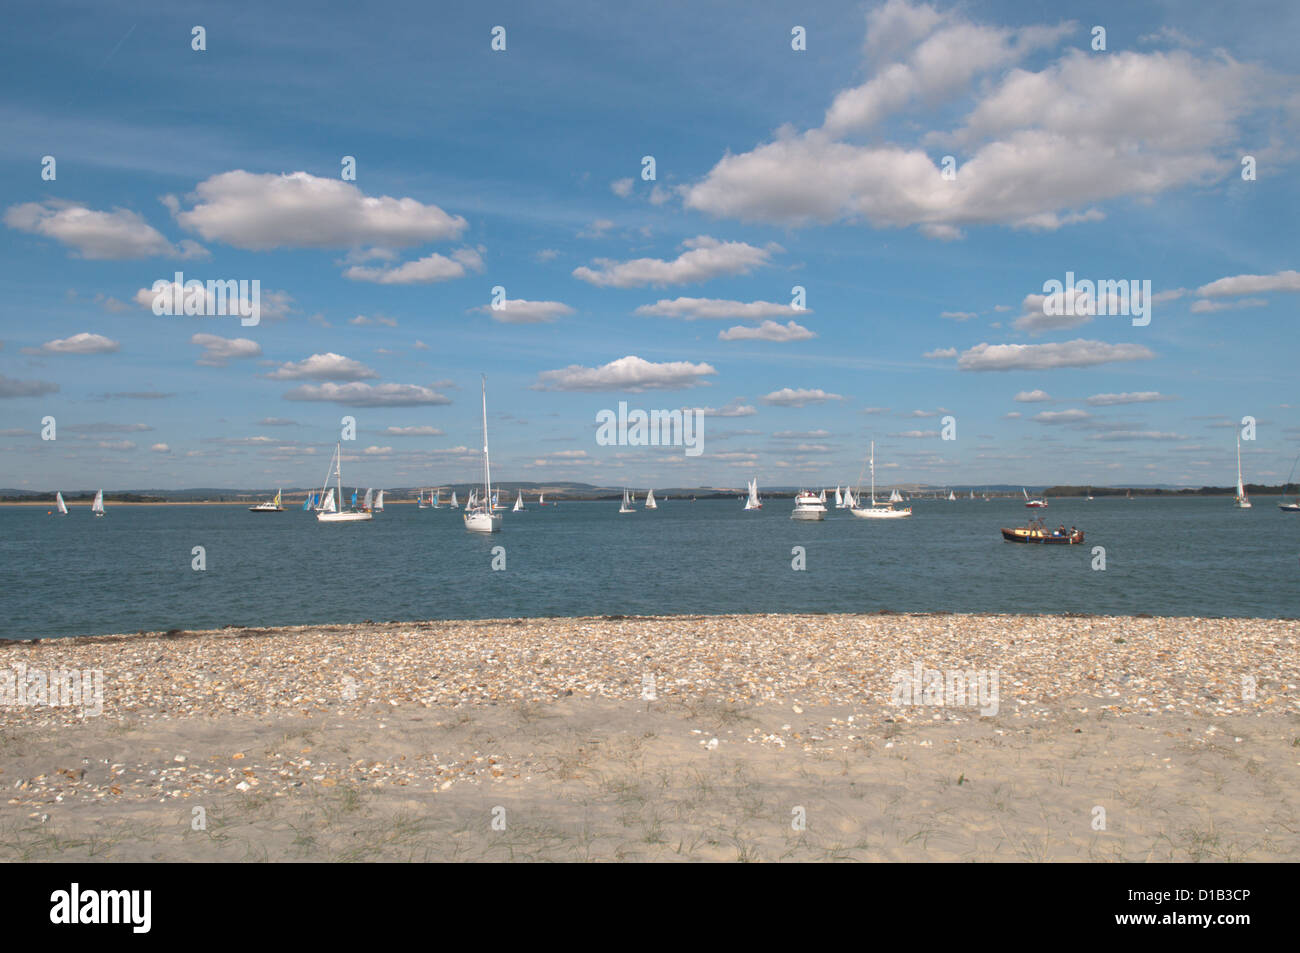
[
  {"x": 650, "y": 503},
  {"x": 1033, "y": 504},
  {"x": 58, "y": 501},
  {"x": 1284, "y": 506},
  {"x": 422, "y": 502},
  {"x": 879, "y": 509},
  {"x": 479, "y": 518},
  {"x": 370, "y": 499},
  {"x": 541, "y": 499},
  {"x": 895, "y": 496},
  {"x": 822, "y": 498},
  {"x": 454, "y": 504},
  {"x": 1243, "y": 501},
  {"x": 328, "y": 513},
  {"x": 1128, "y": 495},
  {"x": 627, "y": 506},
  {"x": 952, "y": 497},
  {"x": 273, "y": 506},
  {"x": 839, "y": 500},
  {"x": 972, "y": 494},
  {"x": 752, "y": 502},
  {"x": 519, "y": 503},
  {"x": 98, "y": 506},
  {"x": 379, "y": 501}
]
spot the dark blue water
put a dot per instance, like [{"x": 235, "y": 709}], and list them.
[{"x": 132, "y": 569}]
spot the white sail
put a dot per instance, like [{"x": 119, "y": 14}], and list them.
[
  {"x": 98, "y": 506},
  {"x": 370, "y": 498},
  {"x": 753, "y": 502},
  {"x": 379, "y": 501},
  {"x": 541, "y": 499},
  {"x": 63, "y": 507},
  {"x": 328, "y": 513},
  {"x": 1243, "y": 501},
  {"x": 895, "y": 496},
  {"x": 839, "y": 500},
  {"x": 627, "y": 503},
  {"x": 650, "y": 503},
  {"x": 481, "y": 518},
  {"x": 519, "y": 502},
  {"x": 454, "y": 504},
  {"x": 328, "y": 505}
]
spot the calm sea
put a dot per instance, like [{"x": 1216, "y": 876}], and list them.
[{"x": 132, "y": 570}]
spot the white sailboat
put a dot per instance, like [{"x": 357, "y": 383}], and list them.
[
  {"x": 1294, "y": 505},
  {"x": 454, "y": 504},
  {"x": 952, "y": 497},
  {"x": 895, "y": 496},
  {"x": 273, "y": 506},
  {"x": 379, "y": 501},
  {"x": 480, "y": 518},
  {"x": 370, "y": 499},
  {"x": 519, "y": 503},
  {"x": 98, "y": 506},
  {"x": 627, "y": 506},
  {"x": 650, "y": 503},
  {"x": 421, "y": 502},
  {"x": 752, "y": 502},
  {"x": 58, "y": 501},
  {"x": 879, "y": 509},
  {"x": 541, "y": 499},
  {"x": 1038, "y": 504},
  {"x": 1243, "y": 501},
  {"x": 328, "y": 513},
  {"x": 839, "y": 500},
  {"x": 822, "y": 498}
]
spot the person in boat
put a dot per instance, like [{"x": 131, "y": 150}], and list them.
[
  {"x": 1060, "y": 530},
  {"x": 1073, "y": 531}
]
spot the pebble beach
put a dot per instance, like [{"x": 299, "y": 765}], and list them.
[{"x": 729, "y": 737}]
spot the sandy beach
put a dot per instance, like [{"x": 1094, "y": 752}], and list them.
[{"x": 721, "y": 738}]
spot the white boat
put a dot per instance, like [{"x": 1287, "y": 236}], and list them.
[
  {"x": 809, "y": 506},
  {"x": 1284, "y": 506},
  {"x": 839, "y": 500},
  {"x": 370, "y": 500},
  {"x": 379, "y": 501},
  {"x": 98, "y": 506},
  {"x": 952, "y": 497},
  {"x": 479, "y": 517},
  {"x": 627, "y": 506},
  {"x": 422, "y": 502},
  {"x": 895, "y": 496},
  {"x": 454, "y": 504},
  {"x": 541, "y": 499},
  {"x": 879, "y": 509},
  {"x": 752, "y": 502},
  {"x": 272, "y": 506},
  {"x": 1243, "y": 501},
  {"x": 972, "y": 494},
  {"x": 328, "y": 513},
  {"x": 58, "y": 501},
  {"x": 519, "y": 503},
  {"x": 650, "y": 503},
  {"x": 1037, "y": 504}
]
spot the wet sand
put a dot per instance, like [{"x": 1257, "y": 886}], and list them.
[{"x": 764, "y": 737}]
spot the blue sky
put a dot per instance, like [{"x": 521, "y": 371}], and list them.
[{"x": 522, "y": 168}]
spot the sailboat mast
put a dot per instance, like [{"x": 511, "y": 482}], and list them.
[
  {"x": 487, "y": 462},
  {"x": 873, "y": 471},
  {"x": 338, "y": 471}
]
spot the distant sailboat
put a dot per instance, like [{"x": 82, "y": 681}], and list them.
[
  {"x": 879, "y": 509},
  {"x": 519, "y": 503},
  {"x": 839, "y": 500},
  {"x": 752, "y": 502},
  {"x": 650, "y": 503},
  {"x": 972, "y": 494},
  {"x": 480, "y": 518},
  {"x": 627, "y": 506},
  {"x": 822, "y": 498},
  {"x": 370, "y": 499},
  {"x": 379, "y": 501},
  {"x": 952, "y": 497},
  {"x": 98, "y": 506},
  {"x": 454, "y": 505},
  {"x": 423, "y": 503},
  {"x": 1294, "y": 505},
  {"x": 541, "y": 499},
  {"x": 1243, "y": 501},
  {"x": 327, "y": 513},
  {"x": 58, "y": 501},
  {"x": 1033, "y": 504},
  {"x": 270, "y": 507},
  {"x": 895, "y": 496}
]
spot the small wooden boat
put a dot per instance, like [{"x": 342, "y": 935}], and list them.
[{"x": 1037, "y": 533}]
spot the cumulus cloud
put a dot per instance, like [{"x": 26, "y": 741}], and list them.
[
  {"x": 940, "y": 353},
  {"x": 958, "y": 315},
  {"x": 420, "y": 431},
  {"x": 161, "y": 448},
  {"x": 1251, "y": 284},
  {"x": 115, "y": 235},
  {"x": 83, "y": 343},
  {"x": 1040, "y": 146},
  {"x": 629, "y": 373},
  {"x": 359, "y": 394},
  {"x": 621, "y": 187},
  {"x": 1037, "y": 357},
  {"x": 1032, "y": 397},
  {"x": 689, "y": 309},
  {"x": 1136, "y": 397},
  {"x": 733, "y": 408},
  {"x": 298, "y": 210},
  {"x": 770, "y": 331},
  {"x": 1071, "y": 416},
  {"x": 1206, "y": 306},
  {"x": 799, "y": 397},
  {"x": 328, "y": 366},
  {"x": 705, "y": 258},
  {"x": 522, "y": 311},
  {"x": 426, "y": 270},
  {"x": 217, "y": 351}
]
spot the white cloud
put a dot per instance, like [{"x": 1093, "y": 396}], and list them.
[
  {"x": 358, "y": 394},
  {"x": 161, "y": 448},
  {"x": 958, "y": 315},
  {"x": 621, "y": 187},
  {"x": 940, "y": 353},
  {"x": 299, "y": 210},
  {"x": 362, "y": 320},
  {"x": 430, "y": 268},
  {"x": 1136, "y": 397},
  {"x": 689, "y": 309},
  {"x": 1205, "y": 306},
  {"x": 522, "y": 311},
  {"x": 769, "y": 331},
  {"x": 328, "y": 366},
  {"x": 1074, "y": 415},
  {"x": 420, "y": 431},
  {"x": 798, "y": 397},
  {"x": 114, "y": 235},
  {"x": 1035, "y": 357},
  {"x": 1137, "y": 435},
  {"x": 629, "y": 373},
  {"x": 83, "y": 343},
  {"x": 1251, "y": 284},
  {"x": 733, "y": 408},
  {"x": 705, "y": 258},
  {"x": 1032, "y": 397},
  {"x": 218, "y": 350}
]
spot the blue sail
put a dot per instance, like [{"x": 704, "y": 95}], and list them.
[
  {"x": 306, "y": 504},
  {"x": 354, "y": 499}
]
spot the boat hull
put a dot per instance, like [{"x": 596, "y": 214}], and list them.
[
  {"x": 881, "y": 513},
  {"x": 1022, "y": 535},
  {"x": 483, "y": 522},
  {"x": 343, "y": 517},
  {"x": 810, "y": 515}
]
